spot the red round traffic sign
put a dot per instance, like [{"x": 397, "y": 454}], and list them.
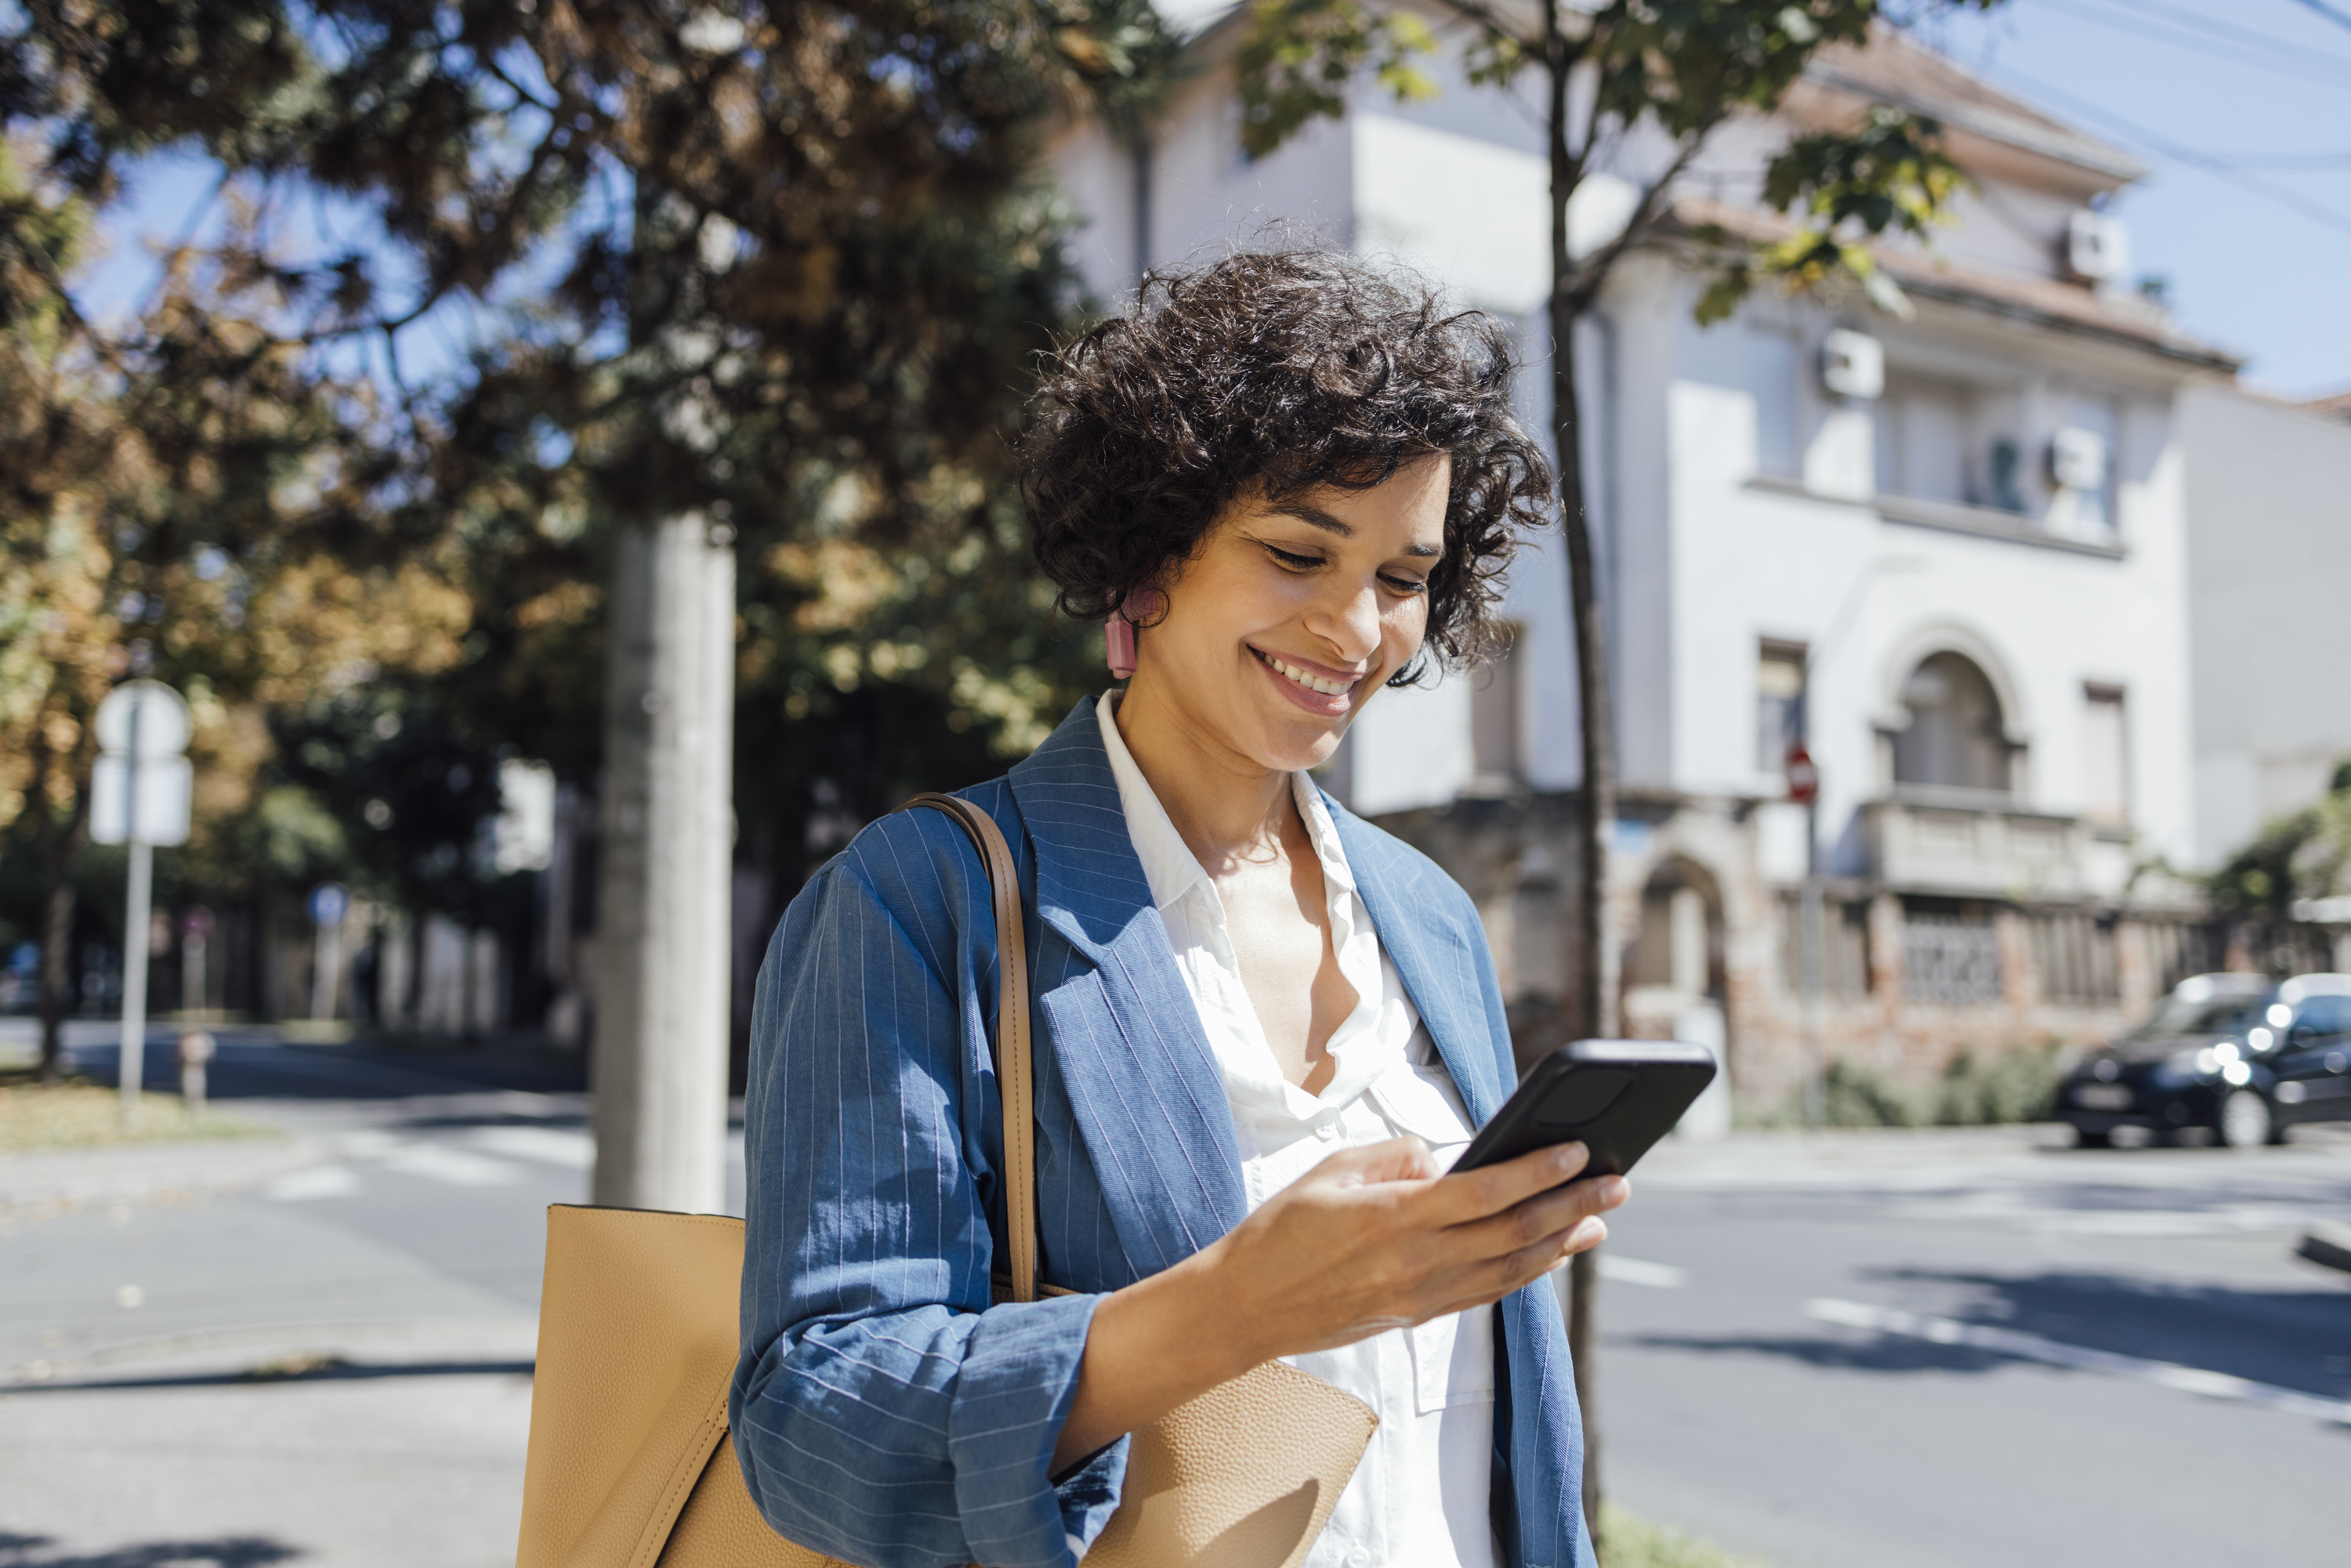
[{"x": 1803, "y": 776}]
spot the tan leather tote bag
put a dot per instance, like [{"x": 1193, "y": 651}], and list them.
[{"x": 630, "y": 1465}]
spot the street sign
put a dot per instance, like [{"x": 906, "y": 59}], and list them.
[
  {"x": 329, "y": 902},
  {"x": 146, "y": 719},
  {"x": 1803, "y": 776},
  {"x": 164, "y": 786}
]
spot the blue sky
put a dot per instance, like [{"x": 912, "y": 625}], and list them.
[{"x": 2260, "y": 87}]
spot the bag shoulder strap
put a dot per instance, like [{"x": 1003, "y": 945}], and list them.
[{"x": 1015, "y": 1081}]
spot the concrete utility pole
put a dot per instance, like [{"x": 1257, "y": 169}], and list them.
[{"x": 663, "y": 934}]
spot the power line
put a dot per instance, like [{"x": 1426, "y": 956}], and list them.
[
  {"x": 2290, "y": 160},
  {"x": 2163, "y": 146},
  {"x": 2183, "y": 17},
  {"x": 2304, "y": 64},
  {"x": 2334, "y": 14}
]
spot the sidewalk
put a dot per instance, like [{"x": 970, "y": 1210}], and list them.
[{"x": 314, "y": 1347}]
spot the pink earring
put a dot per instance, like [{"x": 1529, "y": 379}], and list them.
[{"x": 1118, "y": 632}]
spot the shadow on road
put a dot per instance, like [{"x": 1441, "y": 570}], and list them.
[
  {"x": 2298, "y": 1340},
  {"x": 229, "y": 1552},
  {"x": 334, "y": 1371},
  {"x": 250, "y": 1067}
]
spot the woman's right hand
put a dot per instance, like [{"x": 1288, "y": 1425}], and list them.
[
  {"x": 1372, "y": 1239},
  {"x": 1376, "y": 1239}
]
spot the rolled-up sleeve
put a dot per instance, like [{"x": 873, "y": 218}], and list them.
[{"x": 883, "y": 1411}]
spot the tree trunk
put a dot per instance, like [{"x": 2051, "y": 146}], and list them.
[
  {"x": 56, "y": 969},
  {"x": 1589, "y": 1006},
  {"x": 58, "y": 845}
]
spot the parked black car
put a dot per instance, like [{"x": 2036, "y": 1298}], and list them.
[{"x": 2232, "y": 1052}]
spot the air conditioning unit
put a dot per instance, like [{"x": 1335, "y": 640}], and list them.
[
  {"x": 1853, "y": 365},
  {"x": 2077, "y": 458},
  {"x": 2097, "y": 247}
]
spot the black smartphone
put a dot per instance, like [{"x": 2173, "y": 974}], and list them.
[{"x": 1617, "y": 1096}]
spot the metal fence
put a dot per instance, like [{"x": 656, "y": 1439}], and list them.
[{"x": 1953, "y": 959}]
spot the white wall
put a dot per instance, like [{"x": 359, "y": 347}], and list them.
[{"x": 2269, "y": 506}]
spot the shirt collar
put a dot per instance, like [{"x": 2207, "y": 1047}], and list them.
[{"x": 1168, "y": 863}]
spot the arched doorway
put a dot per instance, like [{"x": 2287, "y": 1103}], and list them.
[
  {"x": 1676, "y": 980},
  {"x": 1957, "y": 736}
]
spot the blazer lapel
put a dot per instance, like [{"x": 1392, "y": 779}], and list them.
[
  {"x": 1128, "y": 1044},
  {"x": 1438, "y": 968}
]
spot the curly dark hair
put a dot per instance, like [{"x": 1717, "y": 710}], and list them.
[{"x": 1287, "y": 370}]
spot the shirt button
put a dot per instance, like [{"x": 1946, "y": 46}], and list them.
[
  {"x": 1327, "y": 1129},
  {"x": 1359, "y": 1558}
]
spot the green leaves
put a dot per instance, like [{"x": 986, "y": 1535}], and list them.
[
  {"x": 1300, "y": 56},
  {"x": 1889, "y": 176}
]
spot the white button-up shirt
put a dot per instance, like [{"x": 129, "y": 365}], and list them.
[{"x": 1419, "y": 1499}]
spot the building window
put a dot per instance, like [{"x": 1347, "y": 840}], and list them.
[
  {"x": 2105, "y": 757},
  {"x": 1944, "y": 441},
  {"x": 1779, "y": 704},
  {"x": 1957, "y": 739},
  {"x": 1494, "y": 712},
  {"x": 2073, "y": 954},
  {"x": 1845, "y": 947},
  {"x": 1951, "y": 954},
  {"x": 1772, "y": 382}
]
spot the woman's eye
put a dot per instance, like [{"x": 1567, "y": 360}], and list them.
[
  {"x": 1291, "y": 561},
  {"x": 1404, "y": 584}
]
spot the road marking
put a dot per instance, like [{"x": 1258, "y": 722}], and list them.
[
  {"x": 562, "y": 1146},
  {"x": 1633, "y": 1271},
  {"x": 438, "y": 1162},
  {"x": 2080, "y": 1358},
  {"x": 319, "y": 1181}
]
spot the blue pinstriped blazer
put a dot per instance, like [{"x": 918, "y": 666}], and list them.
[{"x": 883, "y": 1411}]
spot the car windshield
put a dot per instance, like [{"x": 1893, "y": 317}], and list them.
[{"x": 2178, "y": 1016}]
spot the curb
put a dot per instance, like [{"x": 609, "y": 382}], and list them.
[{"x": 2327, "y": 1245}]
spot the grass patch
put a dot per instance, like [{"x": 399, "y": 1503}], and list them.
[
  {"x": 74, "y": 1114},
  {"x": 1626, "y": 1541}
]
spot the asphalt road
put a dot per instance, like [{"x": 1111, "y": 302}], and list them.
[
  {"x": 1934, "y": 1350},
  {"x": 1898, "y": 1351}
]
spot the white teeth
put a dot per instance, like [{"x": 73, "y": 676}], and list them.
[{"x": 1312, "y": 683}]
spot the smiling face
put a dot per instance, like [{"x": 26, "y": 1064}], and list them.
[{"x": 1292, "y": 614}]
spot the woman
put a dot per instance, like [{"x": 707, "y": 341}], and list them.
[{"x": 1263, "y": 1026}]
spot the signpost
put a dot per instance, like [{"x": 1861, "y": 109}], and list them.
[
  {"x": 329, "y": 902},
  {"x": 140, "y": 796}
]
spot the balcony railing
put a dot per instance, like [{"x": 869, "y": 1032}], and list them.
[{"x": 1976, "y": 843}]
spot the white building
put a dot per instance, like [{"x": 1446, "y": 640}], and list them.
[
  {"x": 1952, "y": 554},
  {"x": 2269, "y": 505}
]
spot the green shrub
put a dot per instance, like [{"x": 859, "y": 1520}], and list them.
[
  {"x": 1976, "y": 1090},
  {"x": 2019, "y": 1085},
  {"x": 1856, "y": 1095}
]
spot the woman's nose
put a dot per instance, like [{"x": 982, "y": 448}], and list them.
[{"x": 1350, "y": 621}]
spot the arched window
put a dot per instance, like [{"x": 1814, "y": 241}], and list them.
[{"x": 1957, "y": 739}]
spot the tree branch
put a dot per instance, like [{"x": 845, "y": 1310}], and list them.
[{"x": 1593, "y": 271}]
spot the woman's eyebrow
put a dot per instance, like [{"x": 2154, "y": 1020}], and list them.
[
  {"x": 1313, "y": 517},
  {"x": 1316, "y": 518}
]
